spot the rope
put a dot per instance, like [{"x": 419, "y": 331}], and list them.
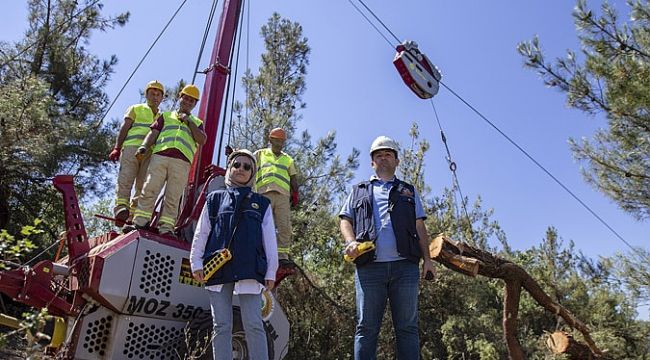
[
  {"x": 205, "y": 37},
  {"x": 140, "y": 63},
  {"x": 452, "y": 168},
  {"x": 227, "y": 99},
  {"x": 57, "y": 28},
  {"x": 311, "y": 284},
  {"x": 381, "y": 22},
  {"x": 372, "y": 24},
  {"x": 521, "y": 149},
  {"x": 248, "y": 27},
  {"x": 41, "y": 253},
  {"x": 234, "y": 88},
  {"x": 546, "y": 171}
]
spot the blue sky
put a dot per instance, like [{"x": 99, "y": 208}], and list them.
[{"x": 353, "y": 88}]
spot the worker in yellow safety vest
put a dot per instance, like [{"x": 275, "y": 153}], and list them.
[
  {"x": 276, "y": 179},
  {"x": 135, "y": 127},
  {"x": 177, "y": 135}
]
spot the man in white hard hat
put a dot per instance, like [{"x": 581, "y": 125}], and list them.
[
  {"x": 177, "y": 136},
  {"x": 388, "y": 212}
]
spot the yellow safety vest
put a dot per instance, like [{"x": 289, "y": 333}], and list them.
[
  {"x": 144, "y": 117},
  {"x": 273, "y": 169},
  {"x": 177, "y": 135}
]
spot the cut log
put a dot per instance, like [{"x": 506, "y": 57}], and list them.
[
  {"x": 561, "y": 342},
  {"x": 442, "y": 250},
  {"x": 468, "y": 260}
]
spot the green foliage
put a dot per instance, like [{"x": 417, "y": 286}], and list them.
[
  {"x": 411, "y": 162},
  {"x": 274, "y": 96},
  {"x": 51, "y": 108},
  {"x": 14, "y": 250},
  {"x": 610, "y": 76},
  {"x": 96, "y": 226}
]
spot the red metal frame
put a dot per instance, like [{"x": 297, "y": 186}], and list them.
[
  {"x": 214, "y": 90},
  {"x": 36, "y": 286},
  {"x": 74, "y": 223}
]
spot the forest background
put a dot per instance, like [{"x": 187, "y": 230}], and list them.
[{"x": 59, "y": 87}]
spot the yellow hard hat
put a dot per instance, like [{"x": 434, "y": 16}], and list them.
[
  {"x": 191, "y": 91},
  {"x": 278, "y": 133},
  {"x": 154, "y": 84}
]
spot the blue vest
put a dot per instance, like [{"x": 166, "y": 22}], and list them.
[
  {"x": 401, "y": 207},
  {"x": 247, "y": 248}
]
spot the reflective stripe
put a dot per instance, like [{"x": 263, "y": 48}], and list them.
[
  {"x": 176, "y": 127},
  {"x": 122, "y": 201},
  {"x": 167, "y": 220},
  {"x": 261, "y": 179},
  {"x": 140, "y": 125},
  {"x": 142, "y": 213},
  {"x": 185, "y": 143},
  {"x": 131, "y": 137},
  {"x": 144, "y": 117},
  {"x": 177, "y": 135},
  {"x": 279, "y": 166},
  {"x": 283, "y": 249},
  {"x": 273, "y": 169}
]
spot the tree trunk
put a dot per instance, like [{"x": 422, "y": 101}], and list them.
[{"x": 469, "y": 260}]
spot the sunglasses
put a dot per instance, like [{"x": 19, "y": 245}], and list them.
[{"x": 237, "y": 165}]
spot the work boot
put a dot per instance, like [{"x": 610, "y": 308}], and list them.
[
  {"x": 121, "y": 217},
  {"x": 130, "y": 227}
]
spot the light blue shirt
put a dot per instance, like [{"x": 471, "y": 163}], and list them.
[{"x": 386, "y": 242}]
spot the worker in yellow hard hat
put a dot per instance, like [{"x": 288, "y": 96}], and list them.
[
  {"x": 175, "y": 137},
  {"x": 135, "y": 127},
  {"x": 276, "y": 179}
]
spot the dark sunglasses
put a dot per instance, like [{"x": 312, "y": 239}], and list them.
[{"x": 237, "y": 165}]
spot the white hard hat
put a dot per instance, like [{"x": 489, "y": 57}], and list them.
[{"x": 384, "y": 143}]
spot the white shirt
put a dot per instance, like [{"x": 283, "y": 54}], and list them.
[{"x": 269, "y": 240}]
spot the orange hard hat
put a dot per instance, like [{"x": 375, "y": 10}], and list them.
[{"x": 278, "y": 133}]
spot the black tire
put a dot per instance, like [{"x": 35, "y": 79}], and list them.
[{"x": 239, "y": 345}]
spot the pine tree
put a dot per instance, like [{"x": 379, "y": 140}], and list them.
[
  {"x": 610, "y": 76},
  {"x": 51, "y": 110}
]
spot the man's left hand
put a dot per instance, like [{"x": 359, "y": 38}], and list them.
[{"x": 427, "y": 268}]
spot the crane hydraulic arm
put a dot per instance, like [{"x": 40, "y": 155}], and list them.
[{"x": 210, "y": 110}]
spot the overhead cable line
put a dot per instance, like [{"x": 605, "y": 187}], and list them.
[
  {"x": 521, "y": 149},
  {"x": 381, "y": 22},
  {"x": 392, "y": 46},
  {"x": 248, "y": 31},
  {"x": 208, "y": 25},
  {"x": 232, "y": 54},
  {"x": 140, "y": 63},
  {"x": 234, "y": 86},
  {"x": 57, "y": 28},
  {"x": 452, "y": 168},
  {"x": 540, "y": 166}
]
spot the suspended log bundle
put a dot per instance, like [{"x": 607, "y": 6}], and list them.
[{"x": 471, "y": 261}]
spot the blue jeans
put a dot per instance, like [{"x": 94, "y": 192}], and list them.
[
  {"x": 396, "y": 281},
  {"x": 251, "y": 315}
]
